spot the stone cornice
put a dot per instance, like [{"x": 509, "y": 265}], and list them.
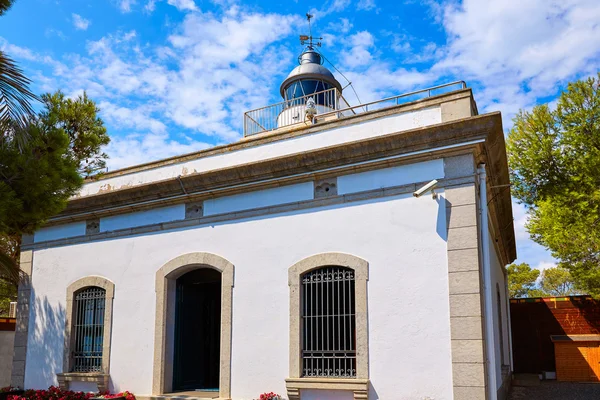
[
  {"x": 285, "y": 170},
  {"x": 408, "y": 146},
  {"x": 249, "y": 213}
]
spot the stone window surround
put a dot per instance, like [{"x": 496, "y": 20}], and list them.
[
  {"x": 166, "y": 278},
  {"x": 101, "y": 379},
  {"x": 359, "y": 385}
]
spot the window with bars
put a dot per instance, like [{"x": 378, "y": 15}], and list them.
[
  {"x": 88, "y": 329},
  {"x": 328, "y": 323}
]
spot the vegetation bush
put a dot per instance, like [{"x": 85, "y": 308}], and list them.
[{"x": 56, "y": 393}]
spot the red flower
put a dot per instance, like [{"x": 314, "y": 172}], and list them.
[
  {"x": 56, "y": 393},
  {"x": 269, "y": 396}
]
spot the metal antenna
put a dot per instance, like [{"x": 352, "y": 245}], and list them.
[{"x": 309, "y": 38}]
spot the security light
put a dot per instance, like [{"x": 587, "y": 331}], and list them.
[{"x": 428, "y": 187}]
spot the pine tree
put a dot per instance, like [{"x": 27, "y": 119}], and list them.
[{"x": 554, "y": 157}]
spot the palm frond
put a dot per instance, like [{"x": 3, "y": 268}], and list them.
[
  {"x": 5, "y": 5},
  {"x": 15, "y": 95},
  {"x": 9, "y": 269}
]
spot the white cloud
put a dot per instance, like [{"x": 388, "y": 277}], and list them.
[
  {"x": 211, "y": 70},
  {"x": 338, "y": 5},
  {"x": 521, "y": 217},
  {"x": 520, "y": 50},
  {"x": 129, "y": 35},
  {"x": 366, "y": 5},
  {"x": 139, "y": 118},
  {"x": 183, "y": 4},
  {"x": 79, "y": 22},
  {"x": 139, "y": 148},
  {"x": 125, "y": 5},
  {"x": 55, "y": 32},
  {"x": 528, "y": 251},
  {"x": 342, "y": 26},
  {"x": 330, "y": 7},
  {"x": 150, "y": 6},
  {"x": 543, "y": 265},
  {"x": 18, "y": 51},
  {"x": 359, "y": 53},
  {"x": 372, "y": 77}
]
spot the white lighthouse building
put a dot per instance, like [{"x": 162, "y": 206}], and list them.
[{"x": 335, "y": 252}]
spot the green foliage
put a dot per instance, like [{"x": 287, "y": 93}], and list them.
[
  {"x": 37, "y": 176},
  {"x": 521, "y": 280},
  {"x": 79, "y": 120},
  {"x": 557, "y": 282},
  {"x": 8, "y": 293},
  {"x": 9, "y": 250},
  {"x": 36, "y": 181},
  {"x": 554, "y": 157}
]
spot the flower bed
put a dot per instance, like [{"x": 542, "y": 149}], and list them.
[
  {"x": 55, "y": 393},
  {"x": 117, "y": 396},
  {"x": 5, "y": 392}
]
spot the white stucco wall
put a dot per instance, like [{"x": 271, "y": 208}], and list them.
[
  {"x": 7, "y": 340},
  {"x": 294, "y": 145},
  {"x": 403, "y": 238},
  {"x": 499, "y": 279}
]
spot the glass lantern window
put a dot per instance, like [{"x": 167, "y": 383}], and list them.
[{"x": 299, "y": 89}]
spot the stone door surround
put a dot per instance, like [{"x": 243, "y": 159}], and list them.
[{"x": 166, "y": 278}]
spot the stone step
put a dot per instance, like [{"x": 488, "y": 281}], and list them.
[
  {"x": 526, "y": 380},
  {"x": 191, "y": 395}
]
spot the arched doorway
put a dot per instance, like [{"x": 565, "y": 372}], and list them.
[
  {"x": 196, "y": 360},
  {"x": 167, "y": 278}
]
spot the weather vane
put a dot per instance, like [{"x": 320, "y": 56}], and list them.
[{"x": 309, "y": 38}]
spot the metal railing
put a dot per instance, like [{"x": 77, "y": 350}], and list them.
[
  {"x": 329, "y": 323},
  {"x": 287, "y": 112},
  {"x": 88, "y": 329},
  {"x": 330, "y": 104}
]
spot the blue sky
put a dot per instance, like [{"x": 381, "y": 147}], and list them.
[{"x": 174, "y": 76}]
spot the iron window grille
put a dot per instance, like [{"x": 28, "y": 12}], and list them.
[
  {"x": 329, "y": 323},
  {"x": 88, "y": 329}
]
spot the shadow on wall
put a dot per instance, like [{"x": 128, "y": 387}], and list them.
[
  {"x": 532, "y": 324},
  {"x": 372, "y": 393},
  {"x": 443, "y": 216},
  {"x": 533, "y": 321},
  {"x": 45, "y": 345},
  {"x": 589, "y": 309}
]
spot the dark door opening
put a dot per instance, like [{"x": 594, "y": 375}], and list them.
[{"x": 197, "y": 331}]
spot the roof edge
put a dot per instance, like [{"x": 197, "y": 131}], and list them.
[{"x": 275, "y": 136}]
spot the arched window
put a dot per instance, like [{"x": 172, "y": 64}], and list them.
[
  {"x": 328, "y": 323},
  {"x": 88, "y": 329},
  {"x": 329, "y": 346}
]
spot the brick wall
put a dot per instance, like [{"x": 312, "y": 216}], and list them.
[{"x": 534, "y": 320}]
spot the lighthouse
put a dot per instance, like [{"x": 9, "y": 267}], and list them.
[{"x": 309, "y": 89}]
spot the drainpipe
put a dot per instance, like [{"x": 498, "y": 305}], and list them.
[
  {"x": 510, "y": 343},
  {"x": 487, "y": 286}
]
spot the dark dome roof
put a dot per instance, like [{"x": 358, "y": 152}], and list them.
[{"x": 310, "y": 68}]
